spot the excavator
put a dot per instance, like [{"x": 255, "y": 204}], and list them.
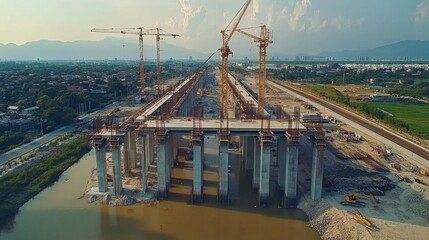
[
  {"x": 353, "y": 199},
  {"x": 423, "y": 172},
  {"x": 361, "y": 219}
]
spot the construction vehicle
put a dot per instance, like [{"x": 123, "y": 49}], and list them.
[
  {"x": 361, "y": 219},
  {"x": 423, "y": 172},
  {"x": 353, "y": 199}
]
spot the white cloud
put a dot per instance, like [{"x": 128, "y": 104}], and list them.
[
  {"x": 340, "y": 24},
  {"x": 255, "y": 10},
  {"x": 422, "y": 10},
  {"x": 191, "y": 17},
  {"x": 270, "y": 16},
  {"x": 299, "y": 11}
]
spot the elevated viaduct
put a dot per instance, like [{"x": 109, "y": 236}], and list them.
[{"x": 164, "y": 120}]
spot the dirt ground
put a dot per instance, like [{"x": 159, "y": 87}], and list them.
[{"x": 355, "y": 163}]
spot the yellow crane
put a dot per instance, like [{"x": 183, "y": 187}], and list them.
[
  {"x": 141, "y": 32},
  {"x": 225, "y": 51},
  {"x": 264, "y": 39}
]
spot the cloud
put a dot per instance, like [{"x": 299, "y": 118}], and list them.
[
  {"x": 270, "y": 16},
  {"x": 299, "y": 11},
  {"x": 340, "y": 24},
  {"x": 191, "y": 18},
  {"x": 422, "y": 10},
  {"x": 255, "y": 10}
]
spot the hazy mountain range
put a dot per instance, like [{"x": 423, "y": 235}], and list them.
[
  {"x": 111, "y": 48},
  {"x": 409, "y": 50}
]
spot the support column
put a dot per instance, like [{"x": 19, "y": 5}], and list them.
[
  {"x": 100, "y": 156},
  {"x": 256, "y": 165},
  {"x": 264, "y": 179},
  {"x": 316, "y": 172},
  {"x": 291, "y": 174},
  {"x": 198, "y": 155},
  {"x": 162, "y": 171},
  {"x": 249, "y": 149},
  {"x": 223, "y": 172},
  {"x": 143, "y": 165},
  {"x": 117, "y": 170},
  {"x": 126, "y": 159},
  {"x": 168, "y": 154},
  {"x": 132, "y": 144},
  {"x": 281, "y": 157}
]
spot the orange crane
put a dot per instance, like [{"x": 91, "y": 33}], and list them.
[
  {"x": 142, "y": 31},
  {"x": 225, "y": 52},
  {"x": 264, "y": 39}
]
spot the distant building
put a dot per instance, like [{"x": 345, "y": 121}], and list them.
[
  {"x": 74, "y": 88},
  {"x": 33, "y": 90},
  {"x": 13, "y": 109}
]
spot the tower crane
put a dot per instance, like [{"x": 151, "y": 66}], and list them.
[
  {"x": 264, "y": 39},
  {"x": 142, "y": 31},
  {"x": 225, "y": 52}
]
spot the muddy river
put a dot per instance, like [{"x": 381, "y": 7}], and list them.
[{"x": 61, "y": 212}]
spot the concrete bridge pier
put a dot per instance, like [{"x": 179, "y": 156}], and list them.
[
  {"x": 256, "y": 164},
  {"x": 144, "y": 164},
  {"x": 291, "y": 175},
  {"x": 281, "y": 158},
  {"x": 249, "y": 152},
  {"x": 198, "y": 162},
  {"x": 150, "y": 150},
  {"x": 316, "y": 172},
  {"x": 223, "y": 172},
  {"x": 126, "y": 154},
  {"x": 132, "y": 148},
  {"x": 264, "y": 176},
  {"x": 162, "y": 167},
  {"x": 117, "y": 170},
  {"x": 100, "y": 156}
]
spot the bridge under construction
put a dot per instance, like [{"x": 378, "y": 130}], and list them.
[{"x": 155, "y": 131}]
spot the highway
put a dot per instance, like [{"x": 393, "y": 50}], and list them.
[
  {"x": 409, "y": 148},
  {"x": 28, "y": 147}
]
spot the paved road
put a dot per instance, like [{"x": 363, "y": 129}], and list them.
[
  {"x": 412, "y": 150},
  {"x": 23, "y": 149}
]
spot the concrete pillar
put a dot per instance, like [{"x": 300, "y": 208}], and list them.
[
  {"x": 198, "y": 155},
  {"x": 100, "y": 156},
  {"x": 125, "y": 157},
  {"x": 117, "y": 171},
  {"x": 256, "y": 165},
  {"x": 249, "y": 149},
  {"x": 150, "y": 148},
  {"x": 223, "y": 172},
  {"x": 281, "y": 158},
  {"x": 144, "y": 164},
  {"x": 167, "y": 160},
  {"x": 132, "y": 144},
  {"x": 291, "y": 175},
  {"x": 264, "y": 179},
  {"x": 316, "y": 173},
  {"x": 162, "y": 171}
]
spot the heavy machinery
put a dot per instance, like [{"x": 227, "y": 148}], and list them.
[
  {"x": 353, "y": 199},
  {"x": 142, "y": 31},
  {"x": 423, "y": 172},
  {"x": 263, "y": 40},
  {"x": 361, "y": 219},
  {"x": 225, "y": 52}
]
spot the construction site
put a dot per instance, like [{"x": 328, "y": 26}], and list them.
[{"x": 351, "y": 184}]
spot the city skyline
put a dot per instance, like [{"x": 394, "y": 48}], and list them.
[{"x": 303, "y": 26}]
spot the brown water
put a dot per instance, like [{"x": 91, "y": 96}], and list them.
[{"x": 59, "y": 212}]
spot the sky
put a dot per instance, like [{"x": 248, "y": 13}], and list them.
[{"x": 299, "y": 26}]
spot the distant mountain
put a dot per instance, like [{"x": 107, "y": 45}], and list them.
[
  {"x": 409, "y": 50},
  {"x": 108, "y": 48}
]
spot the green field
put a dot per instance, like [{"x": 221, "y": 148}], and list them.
[{"x": 416, "y": 115}]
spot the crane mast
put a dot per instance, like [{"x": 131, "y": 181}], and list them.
[
  {"x": 141, "y": 32},
  {"x": 264, "y": 39},
  {"x": 225, "y": 52}
]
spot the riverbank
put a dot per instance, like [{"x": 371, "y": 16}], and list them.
[{"x": 23, "y": 183}]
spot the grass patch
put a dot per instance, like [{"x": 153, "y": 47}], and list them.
[
  {"x": 415, "y": 114},
  {"x": 16, "y": 188}
]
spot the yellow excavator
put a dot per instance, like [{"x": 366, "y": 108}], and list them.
[
  {"x": 362, "y": 219},
  {"x": 423, "y": 172},
  {"x": 353, "y": 199}
]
